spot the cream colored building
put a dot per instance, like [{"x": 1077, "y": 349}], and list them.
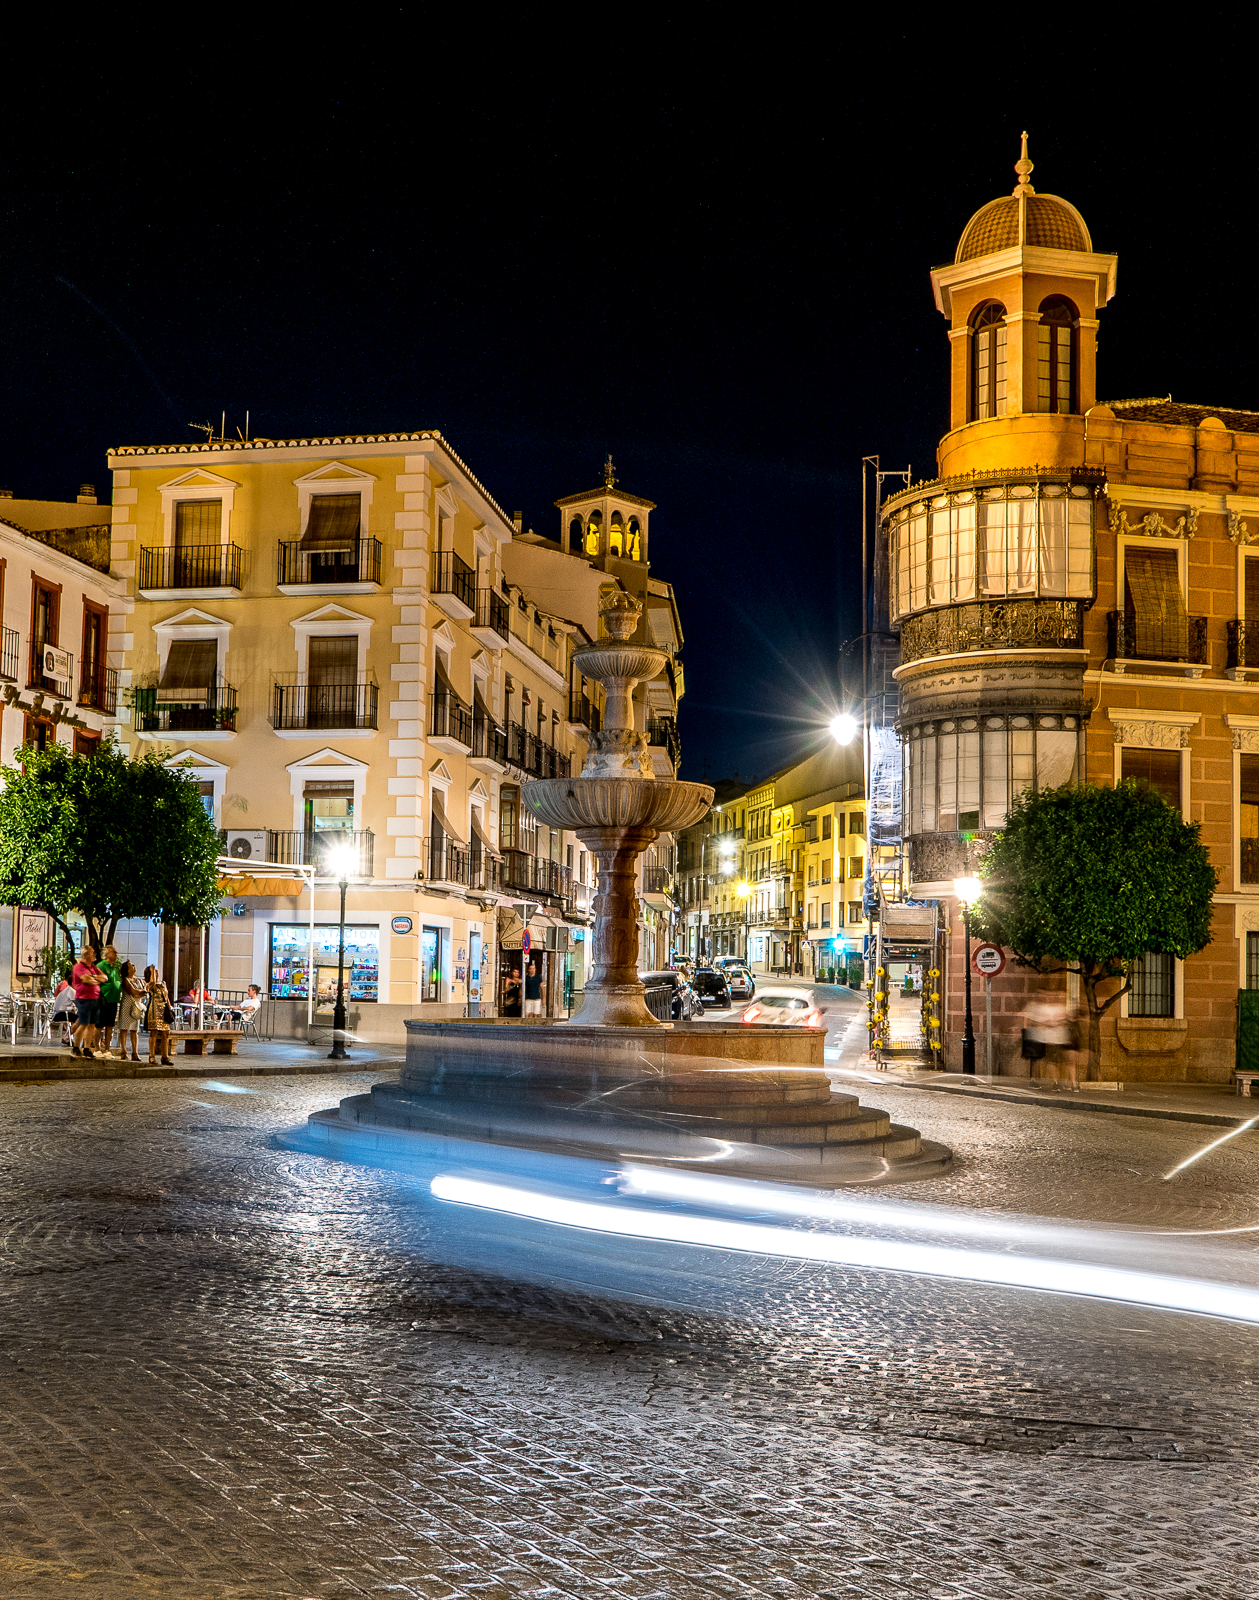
[{"x": 343, "y": 640}]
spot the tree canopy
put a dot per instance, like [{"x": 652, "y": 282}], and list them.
[
  {"x": 108, "y": 837},
  {"x": 1087, "y": 878}
]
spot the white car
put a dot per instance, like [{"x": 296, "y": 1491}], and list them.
[
  {"x": 786, "y": 1008},
  {"x": 742, "y": 983}
]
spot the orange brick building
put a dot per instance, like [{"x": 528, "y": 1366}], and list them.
[{"x": 1072, "y": 596}]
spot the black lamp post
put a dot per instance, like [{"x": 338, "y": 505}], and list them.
[
  {"x": 967, "y": 891},
  {"x": 341, "y": 860}
]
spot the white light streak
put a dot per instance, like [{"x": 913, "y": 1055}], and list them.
[
  {"x": 885, "y": 1255},
  {"x": 1207, "y": 1148}
]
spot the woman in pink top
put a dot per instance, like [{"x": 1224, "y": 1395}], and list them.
[{"x": 87, "y": 978}]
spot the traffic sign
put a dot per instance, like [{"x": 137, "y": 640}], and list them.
[
  {"x": 525, "y": 941},
  {"x": 988, "y": 960}
]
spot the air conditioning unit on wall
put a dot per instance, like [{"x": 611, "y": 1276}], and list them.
[{"x": 247, "y": 844}]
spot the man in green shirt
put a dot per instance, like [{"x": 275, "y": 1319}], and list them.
[{"x": 111, "y": 994}]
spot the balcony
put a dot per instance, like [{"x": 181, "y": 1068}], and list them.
[
  {"x": 10, "y": 654},
  {"x": 1243, "y": 651},
  {"x": 657, "y": 880},
  {"x": 489, "y": 746},
  {"x": 446, "y": 862},
  {"x": 301, "y": 571},
  {"x": 212, "y": 570},
  {"x": 994, "y": 625},
  {"x": 202, "y": 714},
  {"x": 533, "y": 757},
  {"x": 1164, "y": 649},
  {"x": 450, "y": 723},
  {"x": 52, "y": 670},
  {"x": 664, "y": 735},
  {"x": 348, "y": 708},
  {"x": 490, "y": 626},
  {"x": 583, "y": 712},
  {"x": 532, "y": 874},
  {"x": 453, "y": 586},
  {"x": 99, "y": 690},
  {"x": 315, "y": 850},
  {"x": 541, "y": 641}
]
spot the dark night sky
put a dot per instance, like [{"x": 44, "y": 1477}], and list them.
[{"x": 716, "y": 269}]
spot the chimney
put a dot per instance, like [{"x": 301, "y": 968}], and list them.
[
  {"x": 87, "y": 494},
  {"x": 517, "y": 520},
  {"x": 6, "y": 494}
]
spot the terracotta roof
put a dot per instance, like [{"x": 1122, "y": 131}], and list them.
[
  {"x": 1052, "y": 223},
  {"x": 331, "y": 441},
  {"x": 1178, "y": 414},
  {"x": 604, "y": 493}
]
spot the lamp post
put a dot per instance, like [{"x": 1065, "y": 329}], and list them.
[
  {"x": 341, "y": 860},
  {"x": 968, "y": 891}
]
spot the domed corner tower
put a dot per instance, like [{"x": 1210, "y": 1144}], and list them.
[
  {"x": 992, "y": 566},
  {"x": 1022, "y": 297}
]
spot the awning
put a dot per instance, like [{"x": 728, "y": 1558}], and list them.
[
  {"x": 443, "y": 822},
  {"x": 510, "y": 929},
  {"x": 246, "y": 884},
  {"x": 489, "y": 849},
  {"x": 333, "y": 523}
]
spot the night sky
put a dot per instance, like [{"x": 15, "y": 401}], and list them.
[{"x": 709, "y": 258}]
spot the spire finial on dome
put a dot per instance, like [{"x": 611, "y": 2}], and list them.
[{"x": 1023, "y": 166}]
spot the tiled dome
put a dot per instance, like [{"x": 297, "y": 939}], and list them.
[{"x": 1052, "y": 223}]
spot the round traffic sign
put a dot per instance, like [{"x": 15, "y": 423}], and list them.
[
  {"x": 988, "y": 960},
  {"x": 526, "y": 943}
]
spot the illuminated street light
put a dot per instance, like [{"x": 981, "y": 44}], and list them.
[
  {"x": 341, "y": 862},
  {"x": 844, "y": 728},
  {"x": 968, "y": 890}
]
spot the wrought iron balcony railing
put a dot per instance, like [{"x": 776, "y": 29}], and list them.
[
  {"x": 445, "y": 861},
  {"x": 1170, "y": 643},
  {"x": 581, "y": 708},
  {"x": 322, "y": 850},
  {"x": 994, "y": 625},
  {"x": 450, "y": 718},
  {"x": 666, "y": 734},
  {"x": 99, "y": 690},
  {"x": 535, "y": 874},
  {"x": 195, "y": 566},
  {"x": 188, "y": 710},
  {"x": 452, "y": 575},
  {"x": 324, "y": 705},
  {"x": 533, "y": 756},
  {"x": 359, "y": 565},
  {"x": 1243, "y": 644},
  {"x": 10, "y": 654},
  {"x": 491, "y": 613},
  {"x": 489, "y": 742},
  {"x": 657, "y": 880}
]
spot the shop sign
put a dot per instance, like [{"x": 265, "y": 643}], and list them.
[
  {"x": 988, "y": 961},
  {"x": 402, "y": 924}
]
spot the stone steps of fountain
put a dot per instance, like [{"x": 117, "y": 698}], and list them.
[{"x": 836, "y": 1108}]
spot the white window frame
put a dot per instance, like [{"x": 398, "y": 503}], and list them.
[
  {"x": 326, "y": 766},
  {"x": 331, "y": 622},
  {"x": 1245, "y": 732},
  {"x": 1144, "y": 542},
  {"x": 205, "y": 771},
  {"x": 351, "y": 481},
  {"x": 192, "y": 624},
  {"x": 209, "y": 486}
]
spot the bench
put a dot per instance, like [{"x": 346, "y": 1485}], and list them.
[{"x": 223, "y": 1041}]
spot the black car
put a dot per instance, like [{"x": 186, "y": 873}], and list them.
[
  {"x": 683, "y": 1002},
  {"x": 712, "y": 987}
]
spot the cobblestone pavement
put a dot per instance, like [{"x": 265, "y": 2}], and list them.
[{"x": 229, "y": 1370}]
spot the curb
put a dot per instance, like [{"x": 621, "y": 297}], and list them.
[
  {"x": 1057, "y": 1103},
  {"x": 41, "y": 1070}
]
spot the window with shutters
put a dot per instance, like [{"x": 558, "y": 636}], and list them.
[
  {"x": 332, "y": 681},
  {"x": 191, "y": 672},
  {"x": 331, "y": 539},
  {"x": 45, "y": 613},
  {"x": 1055, "y": 355},
  {"x": 1156, "y": 624}
]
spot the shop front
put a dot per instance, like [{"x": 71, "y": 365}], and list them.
[{"x": 294, "y": 957}]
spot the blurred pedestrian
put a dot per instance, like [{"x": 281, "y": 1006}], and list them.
[
  {"x": 63, "y": 1009},
  {"x": 107, "y": 1004},
  {"x": 533, "y": 990},
  {"x": 130, "y": 1011},
  {"x": 157, "y": 1015}
]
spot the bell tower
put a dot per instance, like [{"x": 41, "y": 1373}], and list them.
[
  {"x": 606, "y": 525},
  {"x": 1022, "y": 297}
]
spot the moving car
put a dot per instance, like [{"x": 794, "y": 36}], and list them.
[
  {"x": 742, "y": 983},
  {"x": 786, "y": 1007},
  {"x": 712, "y": 986},
  {"x": 684, "y": 1003}
]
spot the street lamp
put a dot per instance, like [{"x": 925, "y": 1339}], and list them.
[
  {"x": 968, "y": 890},
  {"x": 844, "y": 728},
  {"x": 342, "y": 861}
]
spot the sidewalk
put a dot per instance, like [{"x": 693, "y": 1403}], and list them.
[{"x": 44, "y": 1063}]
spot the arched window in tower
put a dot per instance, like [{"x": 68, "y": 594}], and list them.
[
  {"x": 633, "y": 545},
  {"x": 1055, "y": 355},
  {"x": 988, "y": 362},
  {"x": 594, "y": 529},
  {"x": 574, "y": 534},
  {"x": 616, "y": 535}
]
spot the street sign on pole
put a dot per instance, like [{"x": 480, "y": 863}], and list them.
[
  {"x": 988, "y": 960},
  {"x": 525, "y": 941}
]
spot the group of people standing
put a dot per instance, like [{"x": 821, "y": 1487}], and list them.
[{"x": 107, "y": 994}]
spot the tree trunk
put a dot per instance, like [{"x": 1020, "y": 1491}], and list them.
[{"x": 1093, "y": 1072}]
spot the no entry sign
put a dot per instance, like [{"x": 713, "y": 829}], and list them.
[{"x": 988, "y": 960}]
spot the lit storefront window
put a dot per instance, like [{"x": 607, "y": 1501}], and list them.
[{"x": 290, "y": 961}]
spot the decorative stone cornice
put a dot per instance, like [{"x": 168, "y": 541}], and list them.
[
  {"x": 1239, "y": 531},
  {"x": 1153, "y": 525},
  {"x": 1153, "y": 730},
  {"x": 1245, "y": 732}
]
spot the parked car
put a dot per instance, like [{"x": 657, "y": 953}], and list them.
[
  {"x": 712, "y": 986},
  {"x": 786, "y": 1007},
  {"x": 742, "y": 983},
  {"x": 684, "y": 1003}
]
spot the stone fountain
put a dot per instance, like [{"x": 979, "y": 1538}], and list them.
[
  {"x": 617, "y": 807},
  {"x": 614, "y": 1080}
]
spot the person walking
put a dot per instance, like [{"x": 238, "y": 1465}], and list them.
[
  {"x": 533, "y": 990},
  {"x": 156, "y": 1005},
  {"x": 107, "y": 1004},
  {"x": 130, "y": 1012},
  {"x": 86, "y": 978}
]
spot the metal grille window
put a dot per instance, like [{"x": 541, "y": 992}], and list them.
[
  {"x": 988, "y": 386},
  {"x": 1015, "y": 540},
  {"x": 964, "y": 775},
  {"x": 1252, "y": 960},
  {"x": 1153, "y": 992},
  {"x": 1055, "y": 356},
  {"x": 198, "y": 522},
  {"x": 1155, "y": 618}
]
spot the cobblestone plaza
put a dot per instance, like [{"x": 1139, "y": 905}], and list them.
[{"x": 233, "y": 1370}]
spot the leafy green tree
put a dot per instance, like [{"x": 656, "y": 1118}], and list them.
[
  {"x": 107, "y": 837},
  {"x": 1087, "y": 878}
]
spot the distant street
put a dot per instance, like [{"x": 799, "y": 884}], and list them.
[{"x": 234, "y": 1371}]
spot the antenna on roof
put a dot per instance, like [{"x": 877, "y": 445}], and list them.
[{"x": 204, "y": 427}]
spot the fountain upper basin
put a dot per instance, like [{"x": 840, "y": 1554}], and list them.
[{"x": 664, "y": 805}]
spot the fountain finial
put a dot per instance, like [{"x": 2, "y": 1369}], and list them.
[{"x": 619, "y": 613}]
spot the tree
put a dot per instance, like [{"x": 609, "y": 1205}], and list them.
[
  {"x": 1086, "y": 879},
  {"x": 107, "y": 837}
]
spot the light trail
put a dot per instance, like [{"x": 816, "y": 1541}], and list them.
[
  {"x": 1207, "y": 1149},
  {"x": 883, "y": 1255}
]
